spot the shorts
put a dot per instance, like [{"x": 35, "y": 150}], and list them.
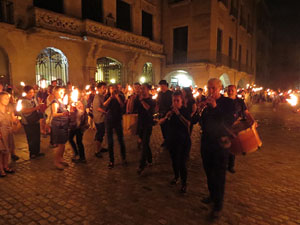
[{"x": 100, "y": 131}]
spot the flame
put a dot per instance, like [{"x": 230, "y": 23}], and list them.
[
  {"x": 158, "y": 89},
  {"x": 196, "y": 94},
  {"x": 154, "y": 96},
  {"x": 293, "y": 100},
  {"x": 129, "y": 88},
  {"x": 66, "y": 100},
  {"x": 23, "y": 94},
  {"x": 22, "y": 83},
  {"x": 87, "y": 87},
  {"x": 205, "y": 88},
  {"x": 43, "y": 84},
  {"x": 74, "y": 95},
  {"x": 19, "y": 105}
]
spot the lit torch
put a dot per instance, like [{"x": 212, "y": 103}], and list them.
[
  {"x": 22, "y": 84},
  {"x": 87, "y": 87},
  {"x": 293, "y": 100},
  {"x": 154, "y": 96},
  {"x": 66, "y": 100},
  {"x": 74, "y": 96},
  {"x": 19, "y": 105},
  {"x": 43, "y": 84}
]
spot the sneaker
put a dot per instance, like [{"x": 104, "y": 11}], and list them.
[
  {"x": 14, "y": 157},
  {"x": 231, "y": 170},
  {"x": 104, "y": 150},
  {"x": 174, "y": 181},
  {"x": 207, "y": 200},
  {"x": 183, "y": 189},
  {"x": 110, "y": 165},
  {"x": 40, "y": 154},
  {"x": 98, "y": 155}
]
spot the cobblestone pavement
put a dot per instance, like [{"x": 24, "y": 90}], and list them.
[{"x": 264, "y": 190}]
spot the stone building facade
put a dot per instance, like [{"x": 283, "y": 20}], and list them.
[
  {"x": 80, "y": 40},
  {"x": 209, "y": 38}
]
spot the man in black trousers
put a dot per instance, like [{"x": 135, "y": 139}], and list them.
[{"x": 216, "y": 119}]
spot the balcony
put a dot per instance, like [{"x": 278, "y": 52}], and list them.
[
  {"x": 243, "y": 23},
  {"x": 234, "y": 12},
  {"x": 6, "y": 12},
  {"x": 61, "y": 23},
  {"x": 250, "y": 29}
]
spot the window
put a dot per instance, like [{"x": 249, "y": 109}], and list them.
[
  {"x": 92, "y": 9},
  {"x": 230, "y": 48},
  {"x": 180, "y": 41},
  {"x": 6, "y": 11},
  {"x": 123, "y": 15},
  {"x": 147, "y": 25},
  {"x": 53, "y": 5},
  {"x": 219, "y": 40},
  {"x": 240, "y": 54}
]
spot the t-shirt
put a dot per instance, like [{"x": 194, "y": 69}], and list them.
[
  {"x": 145, "y": 117},
  {"x": 114, "y": 110},
  {"x": 214, "y": 121},
  {"x": 176, "y": 129},
  {"x": 27, "y": 104},
  {"x": 240, "y": 108},
  {"x": 164, "y": 101},
  {"x": 99, "y": 117}
]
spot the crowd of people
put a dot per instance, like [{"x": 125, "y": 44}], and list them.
[{"x": 65, "y": 113}]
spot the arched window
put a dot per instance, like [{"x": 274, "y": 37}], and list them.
[
  {"x": 147, "y": 74},
  {"x": 108, "y": 70},
  {"x": 225, "y": 80},
  {"x": 52, "y": 64}
]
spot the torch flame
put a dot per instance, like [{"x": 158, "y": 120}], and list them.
[
  {"x": 22, "y": 83},
  {"x": 66, "y": 100},
  {"x": 43, "y": 84},
  {"x": 293, "y": 100},
  {"x": 23, "y": 94},
  {"x": 154, "y": 96},
  {"x": 74, "y": 95},
  {"x": 87, "y": 87},
  {"x": 19, "y": 105},
  {"x": 196, "y": 94}
]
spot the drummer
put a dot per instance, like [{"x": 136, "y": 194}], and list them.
[{"x": 241, "y": 113}]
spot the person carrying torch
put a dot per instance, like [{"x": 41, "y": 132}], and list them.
[{"x": 59, "y": 126}]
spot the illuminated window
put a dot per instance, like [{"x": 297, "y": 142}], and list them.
[
  {"x": 52, "y": 64},
  {"x": 148, "y": 72},
  {"x": 108, "y": 70}
]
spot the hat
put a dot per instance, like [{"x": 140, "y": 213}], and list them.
[{"x": 163, "y": 82}]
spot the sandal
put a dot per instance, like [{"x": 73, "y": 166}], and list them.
[
  {"x": 9, "y": 170},
  {"x": 2, "y": 173}
]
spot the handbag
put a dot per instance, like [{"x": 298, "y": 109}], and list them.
[{"x": 34, "y": 117}]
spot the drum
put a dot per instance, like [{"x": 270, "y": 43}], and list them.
[
  {"x": 247, "y": 139},
  {"x": 130, "y": 122}
]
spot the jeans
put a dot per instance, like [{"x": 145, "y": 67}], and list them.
[
  {"x": 215, "y": 160},
  {"x": 179, "y": 152},
  {"x": 119, "y": 131},
  {"x": 78, "y": 148},
  {"x": 33, "y": 135},
  {"x": 145, "y": 134}
]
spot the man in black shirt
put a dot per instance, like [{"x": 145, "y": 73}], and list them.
[
  {"x": 241, "y": 112},
  {"x": 216, "y": 118},
  {"x": 114, "y": 103},
  {"x": 144, "y": 105},
  {"x": 164, "y": 103}
]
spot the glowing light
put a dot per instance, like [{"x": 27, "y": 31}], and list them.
[
  {"x": 113, "y": 81},
  {"x": 142, "y": 79},
  {"x": 43, "y": 84},
  {"x": 196, "y": 94},
  {"x": 248, "y": 85},
  {"x": 22, "y": 83},
  {"x": 158, "y": 89},
  {"x": 280, "y": 94},
  {"x": 66, "y": 100},
  {"x": 19, "y": 105},
  {"x": 154, "y": 96},
  {"x": 293, "y": 100},
  {"x": 129, "y": 88},
  {"x": 239, "y": 96},
  {"x": 23, "y": 94},
  {"x": 74, "y": 95},
  {"x": 205, "y": 88},
  {"x": 290, "y": 91},
  {"x": 87, "y": 87}
]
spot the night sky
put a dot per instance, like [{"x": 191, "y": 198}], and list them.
[{"x": 285, "y": 66}]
